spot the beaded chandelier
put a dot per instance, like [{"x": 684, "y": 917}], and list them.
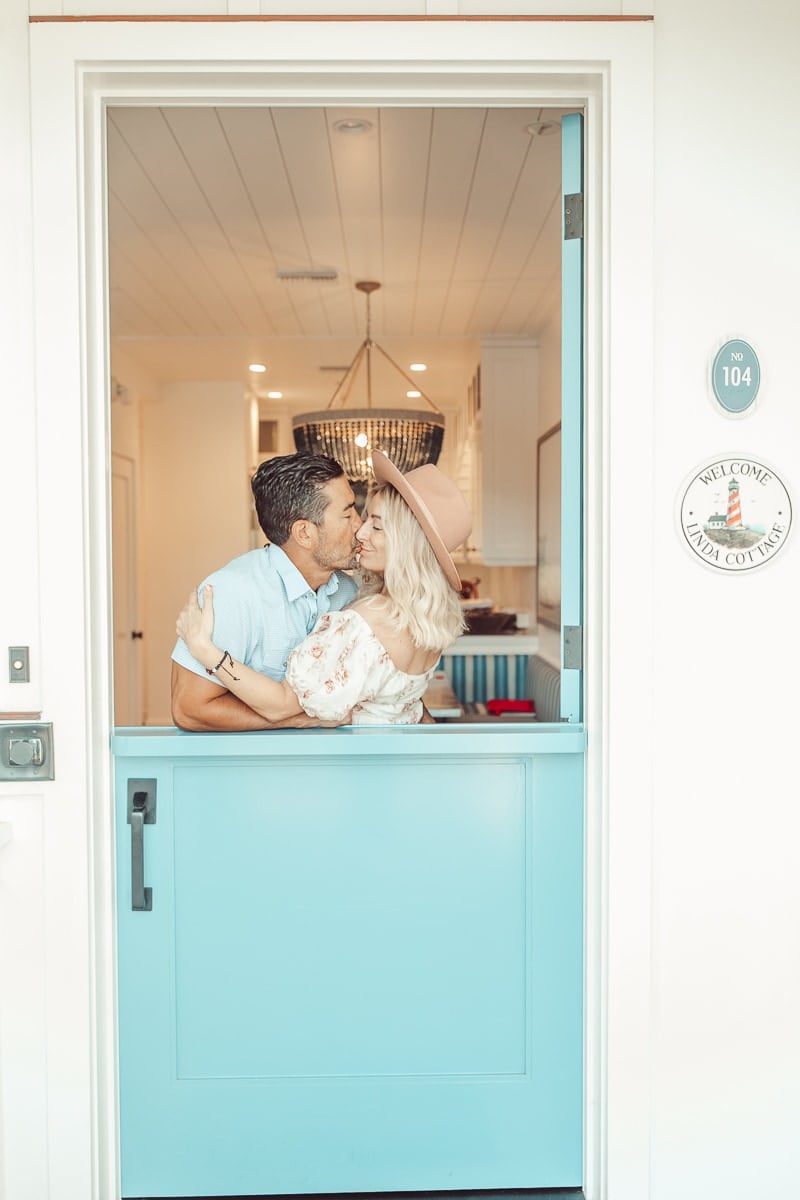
[{"x": 410, "y": 438}]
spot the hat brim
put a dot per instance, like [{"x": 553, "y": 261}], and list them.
[{"x": 385, "y": 471}]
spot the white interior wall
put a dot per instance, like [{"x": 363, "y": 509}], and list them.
[{"x": 549, "y": 340}]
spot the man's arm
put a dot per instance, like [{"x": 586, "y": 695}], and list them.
[{"x": 203, "y": 707}]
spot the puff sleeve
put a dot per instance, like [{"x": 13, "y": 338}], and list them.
[{"x": 338, "y": 665}]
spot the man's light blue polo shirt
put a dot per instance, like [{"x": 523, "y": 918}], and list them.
[{"x": 263, "y": 608}]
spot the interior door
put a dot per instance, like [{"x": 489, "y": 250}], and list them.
[{"x": 127, "y": 635}]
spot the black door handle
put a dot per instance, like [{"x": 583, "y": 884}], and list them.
[{"x": 141, "y": 812}]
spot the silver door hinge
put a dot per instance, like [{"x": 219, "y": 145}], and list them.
[
  {"x": 573, "y": 647},
  {"x": 573, "y": 216}
]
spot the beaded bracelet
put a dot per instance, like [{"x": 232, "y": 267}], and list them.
[{"x": 221, "y": 665}]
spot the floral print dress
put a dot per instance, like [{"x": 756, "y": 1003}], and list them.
[{"x": 342, "y": 665}]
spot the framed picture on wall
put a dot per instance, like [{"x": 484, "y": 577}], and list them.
[{"x": 548, "y": 531}]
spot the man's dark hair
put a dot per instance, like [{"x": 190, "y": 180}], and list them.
[{"x": 288, "y": 489}]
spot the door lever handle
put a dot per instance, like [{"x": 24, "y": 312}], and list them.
[{"x": 141, "y": 812}]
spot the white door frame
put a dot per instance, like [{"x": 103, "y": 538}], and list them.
[{"x": 77, "y": 70}]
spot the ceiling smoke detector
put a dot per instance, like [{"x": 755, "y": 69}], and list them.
[{"x": 352, "y": 125}]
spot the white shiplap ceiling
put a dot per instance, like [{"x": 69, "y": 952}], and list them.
[{"x": 454, "y": 210}]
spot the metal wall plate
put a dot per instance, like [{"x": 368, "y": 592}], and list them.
[{"x": 26, "y": 751}]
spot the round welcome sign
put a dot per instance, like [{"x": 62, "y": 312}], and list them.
[{"x": 735, "y": 513}]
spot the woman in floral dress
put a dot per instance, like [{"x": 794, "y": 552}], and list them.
[{"x": 370, "y": 663}]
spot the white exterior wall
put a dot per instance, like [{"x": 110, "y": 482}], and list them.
[
  {"x": 703, "y": 1097},
  {"x": 726, "y": 956}
]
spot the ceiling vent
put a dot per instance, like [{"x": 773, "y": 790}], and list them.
[{"x": 310, "y": 275}]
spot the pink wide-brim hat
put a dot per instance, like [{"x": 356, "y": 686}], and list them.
[{"x": 437, "y": 504}]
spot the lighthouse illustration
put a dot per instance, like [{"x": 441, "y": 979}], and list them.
[
  {"x": 734, "y": 518},
  {"x": 727, "y": 528}
]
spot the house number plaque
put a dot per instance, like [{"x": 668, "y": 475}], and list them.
[{"x": 736, "y": 376}]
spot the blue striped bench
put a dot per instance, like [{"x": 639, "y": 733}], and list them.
[{"x": 478, "y": 678}]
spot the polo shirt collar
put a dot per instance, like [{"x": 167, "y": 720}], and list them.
[{"x": 293, "y": 581}]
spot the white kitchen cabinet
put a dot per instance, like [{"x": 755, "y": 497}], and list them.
[{"x": 509, "y": 422}]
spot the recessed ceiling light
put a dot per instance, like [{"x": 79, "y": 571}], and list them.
[
  {"x": 413, "y": 395},
  {"x": 257, "y": 368},
  {"x": 352, "y": 125},
  {"x": 274, "y": 395},
  {"x": 418, "y": 367}
]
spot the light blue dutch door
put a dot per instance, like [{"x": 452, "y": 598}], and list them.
[{"x": 352, "y": 960}]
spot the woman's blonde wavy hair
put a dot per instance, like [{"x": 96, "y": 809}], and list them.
[{"x": 414, "y": 586}]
